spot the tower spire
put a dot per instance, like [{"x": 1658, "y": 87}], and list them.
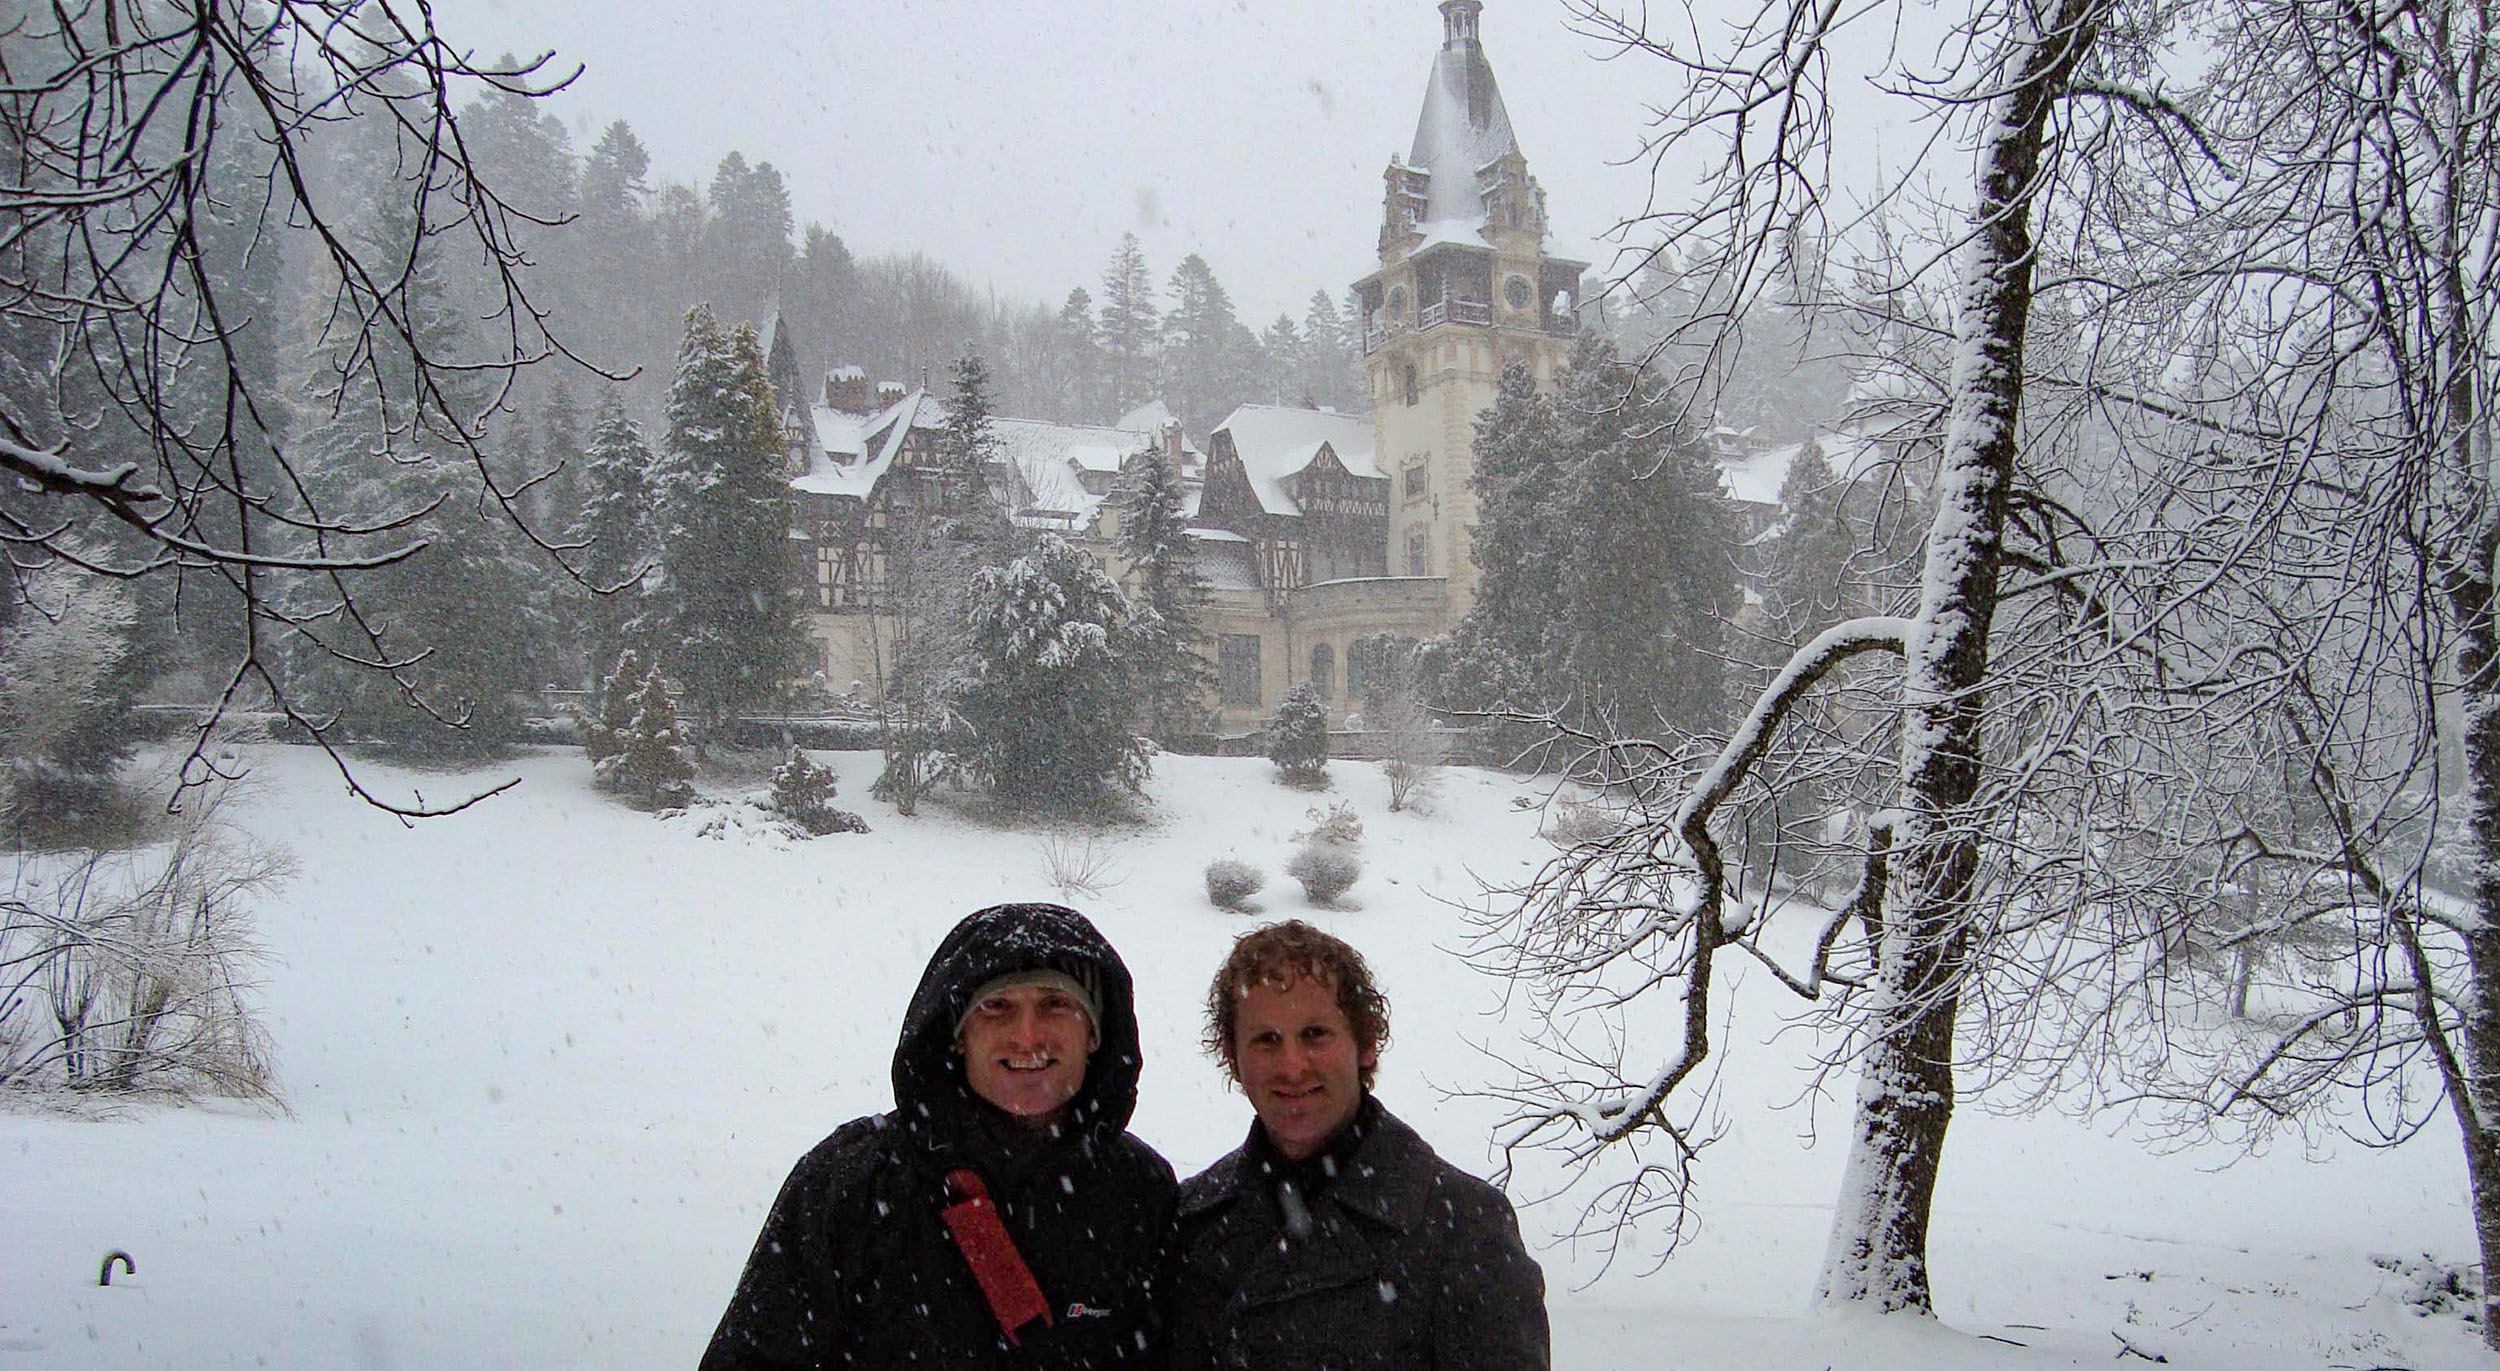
[{"x": 1458, "y": 22}]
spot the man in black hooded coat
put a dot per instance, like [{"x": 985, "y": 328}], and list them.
[{"x": 856, "y": 1265}]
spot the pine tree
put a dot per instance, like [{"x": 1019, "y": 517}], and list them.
[
  {"x": 611, "y": 715},
  {"x": 1331, "y": 370},
  {"x": 1047, "y": 690},
  {"x": 969, "y": 455},
  {"x": 460, "y": 620},
  {"x": 747, "y": 237},
  {"x": 728, "y": 601},
  {"x": 1286, "y": 356},
  {"x": 1127, "y": 327},
  {"x": 1607, "y": 558},
  {"x": 650, "y": 766},
  {"x": 803, "y": 793},
  {"x": 1297, "y": 735},
  {"x": 1808, "y": 581},
  {"x": 1649, "y": 583},
  {"x": 1210, "y": 362},
  {"x": 1085, "y": 388},
  {"x": 619, "y": 544},
  {"x": 1154, "y": 539},
  {"x": 1517, "y": 547}
]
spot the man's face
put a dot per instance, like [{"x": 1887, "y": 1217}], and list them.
[
  {"x": 1295, "y": 1057},
  {"x": 1025, "y": 1049}
]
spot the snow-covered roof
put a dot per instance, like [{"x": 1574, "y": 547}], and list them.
[
  {"x": 1149, "y": 417},
  {"x": 853, "y": 453},
  {"x": 1274, "y": 443},
  {"x": 1756, "y": 478},
  {"x": 1463, "y": 127}
]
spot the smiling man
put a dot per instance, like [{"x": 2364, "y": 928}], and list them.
[
  {"x": 1334, "y": 1236},
  {"x": 999, "y": 1216}
]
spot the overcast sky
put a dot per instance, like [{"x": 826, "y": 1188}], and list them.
[{"x": 1015, "y": 140}]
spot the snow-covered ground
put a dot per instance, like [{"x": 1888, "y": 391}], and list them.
[{"x": 548, "y": 1059}]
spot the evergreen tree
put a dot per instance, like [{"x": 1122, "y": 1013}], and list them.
[
  {"x": 969, "y": 455},
  {"x": 1331, "y": 370},
  {"x": 1286, "y": 360},
  {"x": 459, "y": 620},
  {"x": 803, "y": 793},
  {"x": 1297, "y": 735},
  {"x": 1517, "y": 547},
  {"x": 821, "y": 293},
  {"x": 1174, "y": 679},
  {"x": 611, "y": 715},
  {"x": 1649, "y": 582},
  {"x": 1127, "y": 328},
  {"x": 650, "y": 766},
  {"x": 728, "y": 600},
  {"x": 1047, "y": 689},
  {"x": 747, "y": 238},
  {"x": 1807, "y": 581},
  {"x": 1607, "y": 558},
  {"x": 1083, "y": 385},
  {"x": 615, "y": 528},
  {"x": 1210, "y": 362},
  {"x": 614, "y": 257}
]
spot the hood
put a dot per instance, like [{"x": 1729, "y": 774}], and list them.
[{"x": 928, "y": 1074}]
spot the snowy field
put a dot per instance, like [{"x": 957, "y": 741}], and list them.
[{"x": 548, "y": 1060}]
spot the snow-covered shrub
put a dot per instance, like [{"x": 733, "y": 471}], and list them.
[
  {"x": 128, "y": 970},
  {"x": 650, "y": 767},
  {"x": 803, "y": 794},
  {"x": 2434, "y": 1287},
  {"x": 1297, "y": 736},
  {"x": 1580, "y": 822},
  {"x": 1338, "y": 825},
  {"x": 1326, "y": 870},
  {"x": 1231, "y": 883}
]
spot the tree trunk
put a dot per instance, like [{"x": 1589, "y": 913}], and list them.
[
  {"x": 2478, "y": 662},
  {"x": 1878, "y": 1249}
]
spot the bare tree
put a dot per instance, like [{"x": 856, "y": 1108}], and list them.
[
  {"x": 1649, "y": 911},
  {"x": 2331, "y": 318},
  {"x": 156, "y": 164}
]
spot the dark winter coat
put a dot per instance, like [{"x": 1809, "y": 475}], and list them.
[
  {"x": 855, "y": 1266},
  {"x": 1404, "y": 1263}
]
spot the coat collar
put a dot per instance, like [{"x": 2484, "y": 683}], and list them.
[{"x": 1385, "y": 1181}]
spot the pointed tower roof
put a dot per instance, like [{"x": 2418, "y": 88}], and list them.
[{"x": 1463, "y": 127}]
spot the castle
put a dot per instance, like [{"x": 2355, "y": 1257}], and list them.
[{"x": 1313, "y": 528}]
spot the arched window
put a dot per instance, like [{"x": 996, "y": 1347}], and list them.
[{"x": 1324, "y": 669}]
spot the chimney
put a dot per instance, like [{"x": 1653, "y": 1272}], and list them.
[
  {"x": 1172, "y": 443},
  {"x": 846, "y": 389},
  {"x": 890, "y": 393}
]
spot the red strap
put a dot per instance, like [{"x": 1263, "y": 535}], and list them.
[{"x": 1014, "y": 1296}]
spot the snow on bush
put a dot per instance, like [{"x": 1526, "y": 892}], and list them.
[
  {"x": 1231, "y": 883},
  {"x": 803, "y": 794},
  {"x": 1326, "y": 870},
  {"x": 128, "y": 971},
  {"x": 1297, "y": 736}
]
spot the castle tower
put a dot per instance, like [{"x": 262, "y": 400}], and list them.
[{"x": 1464, "y": 287}]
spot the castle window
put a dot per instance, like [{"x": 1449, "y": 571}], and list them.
[
  {"x": 1418, "y": 481},
  {"x": 1237, "y": 668},
  {"x": 1418, "y": 553},
  {"x": 1406, "y": 377},
  {"x": 1324, "y": 669}
]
